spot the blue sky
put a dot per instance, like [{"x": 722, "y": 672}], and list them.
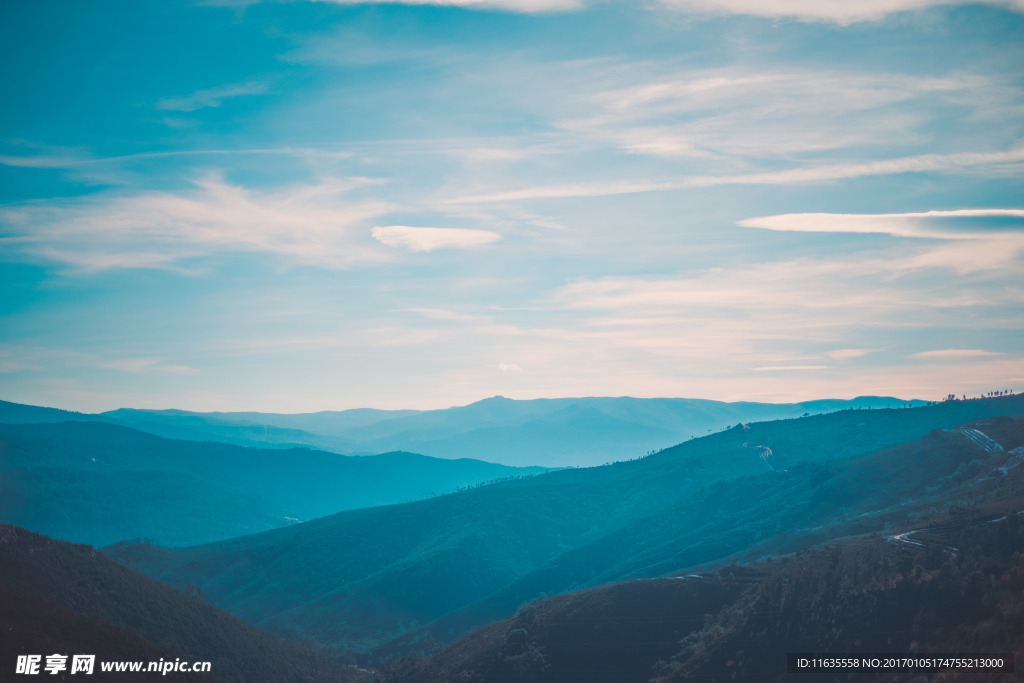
[{"x": 296, "y": 206}]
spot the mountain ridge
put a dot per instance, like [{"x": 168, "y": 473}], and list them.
[{"x": 497, "y": 429}]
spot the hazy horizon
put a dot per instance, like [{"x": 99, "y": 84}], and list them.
[{"x": 187, "y": 409}]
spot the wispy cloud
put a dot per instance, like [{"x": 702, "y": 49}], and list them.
[
  {"x": 804, "y": 306},
  {"x": 954, "y": 354},
  {"x": 846, "y": 354},
  {"x": 815, "y": 289},
  {"x": 78, "y": 159},
  {"x": 524, "y": 6},
  {"x": 833, "y": 11},
  {"x": 796, "y": 176},
  {"x": 519, "y": 6},
  {"x": 756, "y": 112},
  {"x": 510, "y": 368},
  {"x": 446, "y": 315},
  {"x": 312, "y": 224},
  {"x": 147, "y": 365},
  {"x": 211, "y": 97},
  {"x": 429, "y": 239},
  {"x": 39, "y": 161}
]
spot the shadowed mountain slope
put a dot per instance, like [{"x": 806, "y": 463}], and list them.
[
  {"x": 71, "y": 599},
  {"x": 769, "y": 513},
  {"x": 961, "y": 590}
]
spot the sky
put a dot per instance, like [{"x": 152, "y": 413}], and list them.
[{"x": 295, "y": 206}]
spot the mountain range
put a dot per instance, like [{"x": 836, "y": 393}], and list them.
[
  {"x": 395, "y": 579},
  {"x": 540, "y": 432},
  {"x": 892, "y": 529}
]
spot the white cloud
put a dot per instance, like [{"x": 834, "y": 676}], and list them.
[
  {"x": 954, "y": 353},
  {"x": 211, "y": 97},
  {"x": 967, "y": 242},
  {"x": 911, "y": 224},
  {"x": 796, "y": 176},
  {"x": 312, "y": 224},
  {"x": 510, "y": 368},
  {"x": 835, "y": 11},
  {"x": 428, "y": 239},
  {"x": 788, "y": 368}
]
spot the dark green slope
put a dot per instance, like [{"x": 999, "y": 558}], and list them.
[
  {"x": 611, "y": 634},
  {"x": 871, "y": 595},
  {"x": 770, "y": 512},
  {"x": 961, "y": 591},
  {"x": 100, "y": 483},
  {"x": 71, "y": 599},
  {"x": 360, "y": 579},
  {"x": 33, "y": 626}
]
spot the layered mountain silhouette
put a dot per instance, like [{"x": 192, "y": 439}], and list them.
[
  {"x": 397, "y": 579},
  {"x": 544, "y": 432},
  {"x": 893, "y": 529}
]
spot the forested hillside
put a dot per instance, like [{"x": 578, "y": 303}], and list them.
[
  {"x": 392, "y": 579},
  {"x": 961, "y": 590},
  {"x": 66, "y": 598}
]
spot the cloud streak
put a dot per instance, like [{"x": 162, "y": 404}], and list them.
[
  {"x": 518, "y": 6},
  {"x": 797, "y": 176},
  {"x": 911, "y": 224},
  {"x": 833, "y": 11},
  {"x": 211, "y": 97},
  {"x": 147, "y": 365},
  {"x": 968, "y": 239},
  {"x": 954, "y": 354}
]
